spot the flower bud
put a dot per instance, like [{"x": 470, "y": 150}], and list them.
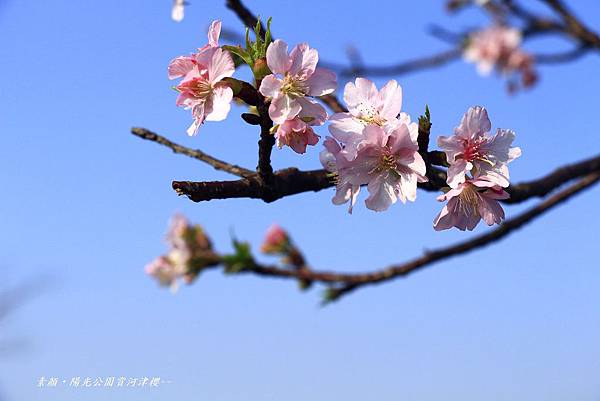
[
  {"x": 260, "y": 69},
  {"x": 276, "y": 241}
]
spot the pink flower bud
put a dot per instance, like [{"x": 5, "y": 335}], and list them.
[{"x": 276, "y": 240}]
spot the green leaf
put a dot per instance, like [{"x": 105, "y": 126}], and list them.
[
  {"x": 268, "y": 38},
  {"x": 248, "y": 42},
  {"x": 241, "y": 53},
  {"x": 241, "y": 259}
]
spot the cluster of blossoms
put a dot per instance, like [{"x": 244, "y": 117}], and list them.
[
  {"x": 478, "y": 172},
  {"x": 189, "y": 248},
  {"x": 373, "y": 144},
  {"x": 499, "y": 47}
]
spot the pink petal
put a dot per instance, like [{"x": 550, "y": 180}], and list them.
[
  {"x": 498, "y": 146},
  {"x": 220, "y": 66},
  {"x": 382, "y": 194},
  {"x": 221, "y": 103},
  {"x": 304, "y": 61},
  {"x": 321, "y": 82},
  {"x": 180, "y": 67},
  {"x": 312, "y": 109},
  {"x": 443, "y": 220},
  {"x": 456, "y": 173},
  {"x": 391, "y": 99},
  {"x": 270, "y": 86},
  {"x": 277, "y": 57},
  {"x": 361, "y": 91},
  {"x": 342, "y": 126},
  {"x": 407, "y": 187},
  {"x": 283, "y": 108},
  {"x": 213, "y": 33},
  {"x": 490, "y": 210},
  {"x": 474, "y": 123}
]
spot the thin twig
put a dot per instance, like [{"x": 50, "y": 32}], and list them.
[
  {"x": 405, "y": 67},
  {"x": 566, "y": 56},
  {"x": 194, "y": 153}
]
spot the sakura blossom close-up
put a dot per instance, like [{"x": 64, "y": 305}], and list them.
[
  {"x": 245, "y": 200},
  {"x": 367, "y": 106},
  {"x": 498, "y": 47},
  {"x": 295, "y": 76},
  {"x": 472, "y": 150},
  {"x": 472, "y": 201},
  {"x": 389, "y": 164},
  {"x": 201, "y": 88}
]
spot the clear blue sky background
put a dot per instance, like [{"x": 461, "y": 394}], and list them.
[{"x": 85, "y": 206}]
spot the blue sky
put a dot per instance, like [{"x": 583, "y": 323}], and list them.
[{"x": 86, "y": 204}]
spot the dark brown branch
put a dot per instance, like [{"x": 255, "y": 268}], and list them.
[
  {"x": 194, "y": 153},
  {"x": 333, "y": 103},
  {"x": 574, "y": 26},
  {"x": 545, "y": 185},
  {"x": 244, "y": 14},
  {"x": 292, "y": 181},
  {"x": 265, "y": 143},
  {"x": 283, "y": 183},
  {"x": 556, "y": 58},
  {"x": 347, "y": 282}
]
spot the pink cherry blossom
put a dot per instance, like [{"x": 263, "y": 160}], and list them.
[
  {"x": 387, "y": 162},
  {"x": 188, "y": 246},
  {"x": 276, "y": 240},
  {"x": 366, "y": 105},
  {"x": 180, "y": 66},
  {"x": 165, "y": 272},
  {"x": 471, "y": 150},
  {"x": 297, "y": 132},
  {"x": 201, "y": 88},
  {"x": 332, "y": 161},
  {"x": 294, "y": 77},
  {"x": 498, "y": 47},
  {"x": 492, "y": 47},
  {"x": 470, "y": 202}
]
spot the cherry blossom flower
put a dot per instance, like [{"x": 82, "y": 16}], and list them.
[
  {"x": 470, "y": 150},
  {"x": 498, "y": 47},
  {"x": 387, "y": 162},
  {"x": 492, "y": 47},
  {"x": 180, "y": 66},
  {"x": 366, "y": 105},
  {"x": 201, "y": 88},
  {"x": 294, "y": 77},
  {"x": 276, "y": 240},
  {"x": 188, "y": 247},
  {"x": 297, "y": 132},
  {"x": 471, "y": 201},
  {"x": 332, "y": 161},
  {"x": 165, "y": 272}
]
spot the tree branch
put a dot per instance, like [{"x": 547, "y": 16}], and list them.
[
  {"x": 344, "y": 283},
  {"x": 292, "y": 181},
  {"x": 193, "y": 153}
]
